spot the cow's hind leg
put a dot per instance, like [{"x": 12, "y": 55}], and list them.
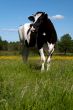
[
  {"x": 50, "y": 51},
  {"x": 24, "y": 48},
  {"x": 42, "y": 58}
]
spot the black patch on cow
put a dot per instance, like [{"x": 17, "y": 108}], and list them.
[{"x": 32, "y": 39}]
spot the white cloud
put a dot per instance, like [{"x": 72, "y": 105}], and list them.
[
  {"x": 58, "y": 17},
  {"x": 8, "y": 30}
]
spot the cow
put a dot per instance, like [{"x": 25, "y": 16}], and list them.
[{"x": 41, "y": 31}]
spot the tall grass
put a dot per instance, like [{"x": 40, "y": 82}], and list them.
[{"x": 24, "y": 87}]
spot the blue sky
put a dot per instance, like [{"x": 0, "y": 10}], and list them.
[{"x": 15, "y": 12}]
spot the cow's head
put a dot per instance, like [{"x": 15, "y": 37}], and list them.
[{"x": 37, "y": 19}]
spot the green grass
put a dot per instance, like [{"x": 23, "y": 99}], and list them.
[{"x": 24, "y": 87}]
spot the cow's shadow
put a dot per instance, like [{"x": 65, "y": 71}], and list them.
[{"x": 35, "y": 66}]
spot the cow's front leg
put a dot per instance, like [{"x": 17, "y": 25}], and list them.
[
  {"x": 48, "y": 62},
  {"x": 50, "y": 51},
  {"x": 42, "y": 58}
]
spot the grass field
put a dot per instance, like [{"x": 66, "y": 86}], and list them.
[{"x": 24, "y": 87}]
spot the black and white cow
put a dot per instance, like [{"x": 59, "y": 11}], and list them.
[{"x": 39, "y": 32}]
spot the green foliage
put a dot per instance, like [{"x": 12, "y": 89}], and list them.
[
  {"x": 14, "y": 46},
  {"x": 65, "y": 44},
  {"x": 24, "y": 87}
]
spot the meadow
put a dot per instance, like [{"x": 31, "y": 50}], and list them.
[{"x": 24, "y": 87}]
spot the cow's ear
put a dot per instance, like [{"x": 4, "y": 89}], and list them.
[
  {"x": 46, "y": 15},
  {"x": 31, "y": 18}
]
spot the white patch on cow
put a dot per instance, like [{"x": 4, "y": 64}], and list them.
[
  {"x": 44, "y": 34},
  {"x": 42, "y": 58},
  {"x": 37, "y": 16},
  {"x": 26, "y": 36},
  {"x": 50, "y": 47},
  {"x": 20, "y": 31},
  {"x": 48, "y": 62},
  {"x": 23, "y": 32}
]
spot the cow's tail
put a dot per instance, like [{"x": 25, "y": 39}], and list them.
[{"x": 24, "y": 49}]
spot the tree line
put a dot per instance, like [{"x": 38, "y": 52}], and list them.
[
  {"x": 64, "y": 45},
  {"x": 9, "y": 46}
]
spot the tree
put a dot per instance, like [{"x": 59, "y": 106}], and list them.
[
  {"x": 4, "y": 45},
  {"x": 65, "y": 43},
  {"x": 0, "y": 38}
]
